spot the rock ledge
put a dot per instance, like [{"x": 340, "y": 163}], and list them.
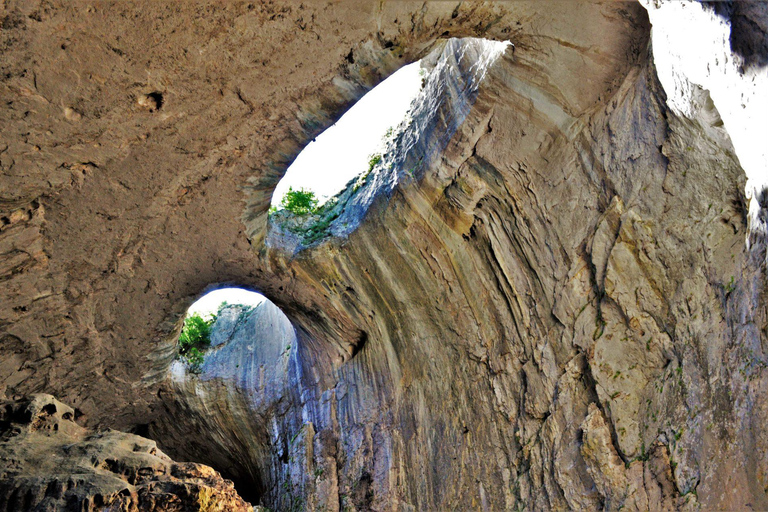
[{"x": 48, "y": 462}]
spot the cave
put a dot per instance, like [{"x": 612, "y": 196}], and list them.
[{"x": 549, "y": 292}]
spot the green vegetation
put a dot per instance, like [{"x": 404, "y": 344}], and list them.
[
  {"x": 299, "y": 202},
  {"x": 195, "y": 336},
  {"x": 644, "y": 455},
  {"x": 730, "y": 286},
  {"x": 318, "y": 228},
  {"x": 312, "y": 221},
  {"x": 599, "y": 326},
  {"x": 373, "y": 160},
  {"x": 194, "y": 340},
  {"x": 423, "y": 74}
]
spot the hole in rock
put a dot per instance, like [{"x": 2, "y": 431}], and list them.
[
  {"x": 330, "y": 184},
  {"x": 346, "y": 149},
  {"x": 390, "y": 135},
  {"x": 152, "y": 101},
  {"x": 234, "y": 340},
  {"x": 195, "y": 339}
]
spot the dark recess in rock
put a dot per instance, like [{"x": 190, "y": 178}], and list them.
[{"x": 749, "y": 29}]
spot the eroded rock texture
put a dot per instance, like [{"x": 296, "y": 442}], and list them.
[
  {"x": 49, "y": 462},
  {"x": 557, "y": 311}
]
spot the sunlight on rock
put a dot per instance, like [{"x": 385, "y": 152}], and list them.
[{"x": 342, "y": 151}]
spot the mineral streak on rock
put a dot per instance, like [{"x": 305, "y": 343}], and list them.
[{"x": 559, "y": 311}]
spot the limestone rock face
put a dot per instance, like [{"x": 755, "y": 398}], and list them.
[
  {"x": 564, "y": 308},
  {"x": 244, "y": 399},
  {"x": 117, "y": 215},
  {"x": 49, "y": 462}
]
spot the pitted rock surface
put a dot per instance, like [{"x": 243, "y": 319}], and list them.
[{"x": 49, "y": 462}]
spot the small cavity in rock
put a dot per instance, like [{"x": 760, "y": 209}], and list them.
[{"x": 152, "y": 101}]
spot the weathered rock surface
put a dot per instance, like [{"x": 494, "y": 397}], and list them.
[
  {"x": 558, "y": 312},
  {"x": 48, "y": 462},
  {"x": 512, "y": 353},
  {"x": 125, "y": 214}
]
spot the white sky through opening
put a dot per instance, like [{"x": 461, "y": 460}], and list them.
[
  {"x": 341, "y": 152},
  {"x": 210, "y": 302},
  {"x": 336, "y": 156},
  {"x": 692, "y": 49}
]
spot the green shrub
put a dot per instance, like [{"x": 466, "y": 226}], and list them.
[
  {"x": 194, "y": 340},
  {"x": 372, "y": 161},
  {"x": 299, "y": 202}
]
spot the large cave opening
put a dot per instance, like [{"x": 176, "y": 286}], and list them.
[
  {"x": 345, "y": 150},
  {"x": 391, "y": 136},
  {"x": 333, "y": 168}
]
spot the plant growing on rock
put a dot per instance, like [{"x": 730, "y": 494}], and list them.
[
  {"x": 299, "y": 202},
  {"x": 373, "y": 160},
  {"x": 195, "y": 338}
]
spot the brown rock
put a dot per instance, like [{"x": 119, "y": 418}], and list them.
[{"x": 49, "y": 462}]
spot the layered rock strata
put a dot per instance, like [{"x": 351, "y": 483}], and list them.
[
  {"x": 540, "y": 320},
  {"x": 117, "y": 214}
]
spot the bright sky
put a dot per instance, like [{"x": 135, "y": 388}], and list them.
[
  {"x": 691, "y": 49},
  {"x": 341, "y": 152},
  {"x": 210, "y": 302}
]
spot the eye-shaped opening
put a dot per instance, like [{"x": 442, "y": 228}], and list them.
[{"x": 391, "y": 135}]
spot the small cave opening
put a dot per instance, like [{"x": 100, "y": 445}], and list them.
[
  {"x": 198, "y": 334},
  {"x": 234, "y": 361},
  {"x": 152, "y": 102}
]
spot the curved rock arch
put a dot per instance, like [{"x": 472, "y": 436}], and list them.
[
  {"x": 115, "y": 219},
  {"x": 119, "y": 228}
]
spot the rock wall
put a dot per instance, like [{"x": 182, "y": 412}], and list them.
[
  {"x": 561, "y": 311},
  {"x": 119, "y": 210}
]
